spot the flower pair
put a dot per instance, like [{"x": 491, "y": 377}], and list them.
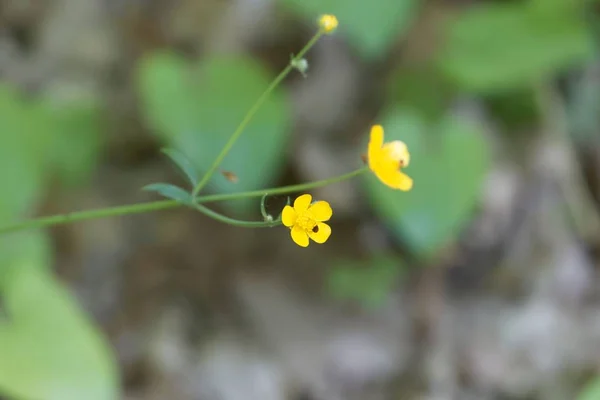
[{"x": 306, "y": 220}]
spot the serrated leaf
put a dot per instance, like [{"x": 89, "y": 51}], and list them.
[
  {"x": 170, "y": 191},
  {"x": 371, "y": 26},
  {"x": 448, "y": 174},
  {"x": 184, "y": 164},
  {"x": 198, "y": 110},
  {"x": 505, "y": 46}
]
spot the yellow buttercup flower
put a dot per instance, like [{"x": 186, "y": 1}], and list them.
[
  {"x": 305, "y": 220},
  {"x": 328, "y": 23},
  {"x": 386, "y": 160}
]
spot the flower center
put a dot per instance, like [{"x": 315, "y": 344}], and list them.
[{"x": 306, "y": 222}]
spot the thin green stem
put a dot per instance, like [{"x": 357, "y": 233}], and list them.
[
  {"x": 91, "y": 214},
  {"x": 280, "y": 190},
  {"x": 139, "y": 208},
  {"x": 240, "y": 129},
  {"x": 235, "y": 222}
]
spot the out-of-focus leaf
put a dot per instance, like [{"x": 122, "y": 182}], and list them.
[
  {"x": 77, "y": 140},
  {"x": 448, "y": 173},
  {"x": 184, "y": 165},
  {"x": 372, "y": 26},
  {"x": 503, "y": 46},
  {"x": 591, "y": 391},
  {"x": 421, "y": 88},
  {"x": 368, "y": 282},
  {"x": 170, "y": 191},
  {"x": 199, "y": 110},
  {"x": 49, "y": 349},
  {"x": 24, "y": 133}
]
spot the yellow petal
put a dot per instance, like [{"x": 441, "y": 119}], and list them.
[
  {"x": 395, "y": 179},
  {"x": 321, "y": 211},
  {"x": 320, "y": 233},
  {"x": 301, "y": 203},
  {"x": 375, "y": 143},
  {"x": 299, "y": 236},
  {"x": 288, "y": 216},
  {"x": 397, "y": 151}
]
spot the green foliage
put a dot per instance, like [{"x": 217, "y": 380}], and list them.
[
  {"x": 504, "y": 46},
  {"x": 421, "y": 88},
  {"x": 591, "y": 391},
  {"x": 448, "y": 169},
  {"x": 77, "y": 140},
  {"x": 184, "y": 165},
  {"x": 23, "y": 136},
  {"x": 171, "y": 192},
  {"x": 49, "y": 349},
  {"x": 371, "y": 26},
  {"x": 198, "y": 110},
  {"x": 368, "y": 283}
]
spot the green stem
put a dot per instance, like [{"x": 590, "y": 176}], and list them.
[
  {"x": 92, "y": 214},
  {"x": 280, "y": 190},
  {"x": 235, "y": 222},
  {"x": 167, "y": 204},
  {"x": 240, "y": 129}
]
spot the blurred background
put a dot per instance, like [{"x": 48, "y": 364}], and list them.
[{"x": 480, "y": 283}]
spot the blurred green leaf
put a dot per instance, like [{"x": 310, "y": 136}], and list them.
[
  {"x": 448, "y": 173},
  {"x": 184, "y": 165},
  {"x": 199, "y": 110},
  {"x": 591, "y": 391},
  {"x": 77, "y": 140},
  {"x": 170, "y": 191},
  {"x": 49, "y": 349},
  {"x": 503, "y": 46},
  {"x": 421, "y": 88},
  {"x": 369, "y": 282},
  {"x": 372, "y": 26},
  {"x": 24, "y": 128}
]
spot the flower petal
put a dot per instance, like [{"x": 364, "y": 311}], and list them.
[
  {"x": 395, "y": 179},
  {"x": 320, "y": 233},
  {"x": 299, "y": 236},
  {"x": 288, "y": 216},
  {"x": 374, "y": 150},
  {"x": 321, "y": 211},
  {"x": 302, "y": 202},
  {"x": 376, "y": 139},
  {"x": 397, "y": 151}
]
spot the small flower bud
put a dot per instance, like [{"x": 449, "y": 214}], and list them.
[
  {"x": 300, "y": 64},
  {"x": 328, "y": 23}
]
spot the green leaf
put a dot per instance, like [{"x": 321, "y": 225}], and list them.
[
  {"x": 184, "y": 165},
  {"x": 49, "y": 349},
  {"x": 504, "y": 46},
  {"x": 368, "y": 282},
  {"x": 591, "y": 391},
  {"x": 448, "y": 173},
  {"x": 423, "y": 88},
  {"x": 78, "y": 140},
  {"x": 170, "y": 191},
  {"x": 371, "y": 26},
  {"x": 24, "y": 128},
  {"x": 199, "y": 110}
]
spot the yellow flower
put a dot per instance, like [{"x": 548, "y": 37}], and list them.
[
  {"x": 306, "y": 220},
  {"x": 328, "y": 23},
  {"x": 386, "y": 160}
]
